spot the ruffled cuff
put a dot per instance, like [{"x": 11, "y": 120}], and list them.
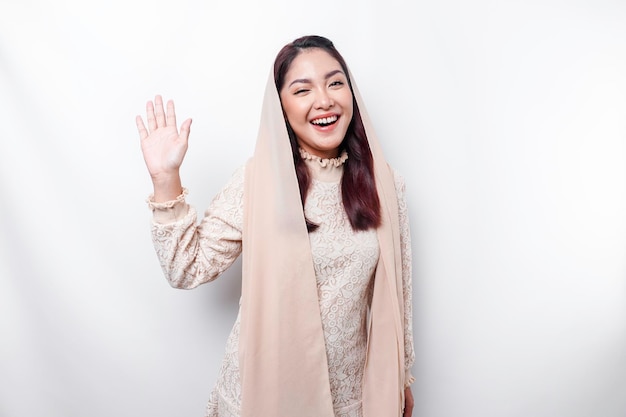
[
  {"x": 169, "y": 211},
  {"x": 408, "y": 378}
]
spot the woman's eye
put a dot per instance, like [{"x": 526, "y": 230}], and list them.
[
  {"x": 336, "y": 83},
  {"x": 300, "y": 91}
]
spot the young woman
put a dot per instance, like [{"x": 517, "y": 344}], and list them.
[{"x": 324, "y": 327}]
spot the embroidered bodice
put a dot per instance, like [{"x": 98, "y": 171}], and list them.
[{"x": 344, "y": 263}]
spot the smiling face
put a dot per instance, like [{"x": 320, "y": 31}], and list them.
[{"x": 317, "y": 102}]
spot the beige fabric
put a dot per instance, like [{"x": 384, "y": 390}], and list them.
[
  {"x": 384, "y": 379},
  {"x": 344, "y": 262},
  {"x": 284, "y": 370}
]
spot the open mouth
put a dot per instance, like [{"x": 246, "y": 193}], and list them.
[{"x": 325, "y": 121}]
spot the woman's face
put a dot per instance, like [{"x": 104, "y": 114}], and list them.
[{"x": 317, "y": 102}]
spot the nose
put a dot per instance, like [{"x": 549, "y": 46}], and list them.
[{"x": 323, "y": 100}]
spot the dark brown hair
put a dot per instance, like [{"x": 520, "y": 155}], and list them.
[{"x": 358, "y": 187}]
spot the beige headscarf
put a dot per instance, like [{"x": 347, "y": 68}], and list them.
[{"x": 284, "y": 370}]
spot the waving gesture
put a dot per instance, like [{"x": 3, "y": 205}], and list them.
[{"x": 163, "y": 147}]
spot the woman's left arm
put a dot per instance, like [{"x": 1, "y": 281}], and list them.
[{"x": 407, "y": 290}]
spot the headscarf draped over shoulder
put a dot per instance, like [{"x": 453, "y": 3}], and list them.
[{"x": 284, "y": 369}]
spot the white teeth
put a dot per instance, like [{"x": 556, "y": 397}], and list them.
[{"x": 324, "y": 120}]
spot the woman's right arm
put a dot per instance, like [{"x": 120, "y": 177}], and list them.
[
  {"x": 189, "y": 254},
  {"x": 192, "y": 254}
]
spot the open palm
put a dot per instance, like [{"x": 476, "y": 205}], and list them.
[{"x": 162, "y": 145}]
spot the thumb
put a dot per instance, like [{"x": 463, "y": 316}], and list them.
[{"x": 185, "y": 128}]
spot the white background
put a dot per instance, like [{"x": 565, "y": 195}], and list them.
[{"x": 507, "y": 119}]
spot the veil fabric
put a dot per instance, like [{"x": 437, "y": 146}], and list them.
[{"x": 282, "y": 354}]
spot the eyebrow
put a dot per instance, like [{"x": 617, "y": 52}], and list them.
[{"x": 306, "y": 80}]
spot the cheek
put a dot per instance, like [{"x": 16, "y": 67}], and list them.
[
  {"x": 292, "y": 111},
  {"x": 349, "y": 111},
  {"x": 347, "y": 104}
]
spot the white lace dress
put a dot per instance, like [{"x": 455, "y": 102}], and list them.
[{"x": 344, "y": 261}]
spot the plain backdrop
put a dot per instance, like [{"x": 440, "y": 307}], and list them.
[{"x": 507, "y": 119}]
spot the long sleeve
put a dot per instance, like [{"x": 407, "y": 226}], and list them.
[
  {"x": 405, "y": 244},
  {"x": 191, "y": 254}
]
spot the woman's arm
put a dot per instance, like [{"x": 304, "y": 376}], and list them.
[
  {"x": 189, "y": 254},
  {"x": 407, "y": 290},
  {"x": 192, "y": 254}
]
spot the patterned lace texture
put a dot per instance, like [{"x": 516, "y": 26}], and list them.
[{"x": 344, "y": 263}]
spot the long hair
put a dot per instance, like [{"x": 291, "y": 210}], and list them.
[{"x": 358, "y": 187}]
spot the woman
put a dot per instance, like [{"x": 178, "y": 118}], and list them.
[{"x": 324, "y": 327}]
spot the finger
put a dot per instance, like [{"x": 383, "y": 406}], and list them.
[
  {"x": 150, "y": 116},
  {"x": 170, "y": 118},
  {"x": 158, "y": 111},
  {"x": 141, "y": 128},
  {"x": 185, "y": 128}
]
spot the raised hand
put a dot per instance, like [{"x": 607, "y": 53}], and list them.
[{"x": 163, "y": 147}]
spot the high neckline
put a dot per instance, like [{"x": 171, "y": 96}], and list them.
[{"x": 324, "y": 169}]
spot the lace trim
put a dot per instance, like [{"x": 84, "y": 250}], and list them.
[
  {"x": 324, "y": 162},
  {"x": 166, "y": 204}
]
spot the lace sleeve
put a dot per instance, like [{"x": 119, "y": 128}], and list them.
[
  {"x": 405, "y": 243},
  {"x": 191, "y": 254}
]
